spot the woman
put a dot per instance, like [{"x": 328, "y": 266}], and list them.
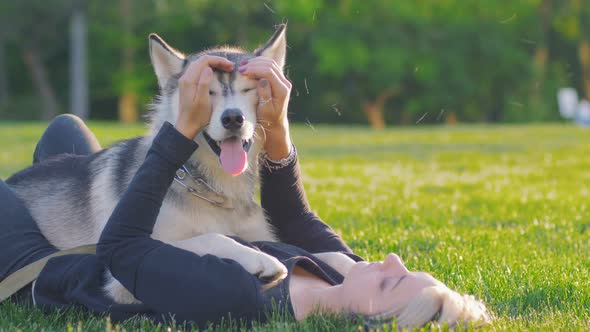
[{"x": 202, "y": 289}]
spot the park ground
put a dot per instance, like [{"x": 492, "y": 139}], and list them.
[{"x": 501, "y": 212}]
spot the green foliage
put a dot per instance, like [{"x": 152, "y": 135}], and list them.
[
  {"x": 498, "y": 212},
  {"x": 473, "y": 58}
]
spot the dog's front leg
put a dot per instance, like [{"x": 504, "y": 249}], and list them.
[{"x": 254, "y": 261}]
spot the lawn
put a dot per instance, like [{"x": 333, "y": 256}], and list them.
[{"x": 501, "y": 212}]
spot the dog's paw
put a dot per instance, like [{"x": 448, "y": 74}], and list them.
[
  {"x": 116, "y": 291},
  {"x": 265, "y": 267}
]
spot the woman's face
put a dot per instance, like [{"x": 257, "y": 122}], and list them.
[{"x": 375, "y": 288}]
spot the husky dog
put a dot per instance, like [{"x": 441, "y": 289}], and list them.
[{"x": 72, "y": 197}]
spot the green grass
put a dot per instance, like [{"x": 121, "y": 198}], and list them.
[{"x": 501, "y": 212}]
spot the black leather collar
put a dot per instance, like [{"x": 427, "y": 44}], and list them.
[
  {"x": 212, "y": 144},
  {"x": 215, "y": 147}
]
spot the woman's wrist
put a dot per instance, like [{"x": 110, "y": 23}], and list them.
[
  {"x": 187, "y": 130},
  {"x": 278, "y": 143},
  {"x": 172, "y": 144}
]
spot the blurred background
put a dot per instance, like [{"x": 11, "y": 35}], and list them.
[{"x": 378, "y": 62}]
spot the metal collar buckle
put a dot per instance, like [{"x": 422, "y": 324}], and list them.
[{"x": 203, "y": 190}]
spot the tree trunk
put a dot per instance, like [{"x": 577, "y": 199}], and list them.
[
  {"x": 49, "y": 108},
  {"x": 374, "y": 109},
  {"x": 496, "y": 109},
  {"x": 78, "y": 71},
  {"x": 541, "y": 55},
  {"x": 451, "y": 118},
  {"x": 374, "y": 115},
  {"x": 128, "y": 112},
  {"x": 541, "y": 52},
  {"x": 405, "y": 118},
  {"x": 4, "y": 91},
  {"x": 584, "y": 55}
]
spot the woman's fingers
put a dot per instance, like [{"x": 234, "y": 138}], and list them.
[
  {"x": 265, "y": 102},
  {"x": 194, "y": 82},
  {"x": 273, "y": 88},
  {"x": 194, "y": 70},
  {"x": 191, "y": 76},
  {"x": 279, "y": 89},
  {"x": 193, "y": 88},
  {"x": 265, "y": 61},
  {"x": 214, "y": 61},
  {"x": 202, "y": 95},
  {"x": 273, "y": 93}
]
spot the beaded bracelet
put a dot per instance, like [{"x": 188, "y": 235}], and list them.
[{"x": 275, "y": 165}]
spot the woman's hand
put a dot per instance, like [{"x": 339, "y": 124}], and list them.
[
  {"x": 193, "y": 90},
  {"x": 273, "y": 93}
]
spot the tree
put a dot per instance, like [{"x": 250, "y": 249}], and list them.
[
  {"x": 4, "y": 90},
  {"x": 128, "y": 112},
  {"x": 350, "y": 61},
  {"x": 36, "y": 40},
  {"x": 78, "y": 71},
  {"x": 424, "y": 57},
  {"x": 584, "y": 45},
  {"x": 572, "y": 20}
]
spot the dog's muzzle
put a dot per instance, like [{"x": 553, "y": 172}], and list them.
[
  {"x": 214, "y": 145},
  {"x": 232, "y": 152}
]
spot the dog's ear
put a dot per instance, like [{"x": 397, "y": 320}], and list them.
[
  {"x": 275, "y": 47},
  {"x": 166, "y": 60}
]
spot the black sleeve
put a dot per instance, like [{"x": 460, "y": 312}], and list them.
[
  {"x": 166, "y": 278},
  {"x": 21, "y": 241},
  {"x": 283, "y": 197}
]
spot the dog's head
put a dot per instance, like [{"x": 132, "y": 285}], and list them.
[{"x": 233, "y": 96}]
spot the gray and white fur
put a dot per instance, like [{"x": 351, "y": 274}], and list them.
[{"x": 72, "y": 197}]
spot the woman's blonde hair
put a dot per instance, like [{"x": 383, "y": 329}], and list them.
[{"x": 437, "y": 304}]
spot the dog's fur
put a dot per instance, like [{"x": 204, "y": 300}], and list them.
[{"x": 72, "y": 197}]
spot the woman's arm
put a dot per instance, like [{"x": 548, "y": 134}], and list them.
[
  {"x": 282, "y": 193},
  {"x": 21, "y": 241},
  {"x": 283, "y": 197},
  {"x": 163, "y": 277},
  {"x": 166, "y": 278}
]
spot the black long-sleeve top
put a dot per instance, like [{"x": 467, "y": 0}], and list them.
[
  {"x": 283, "y": 197},
  {"x": 215, "y": 286}
]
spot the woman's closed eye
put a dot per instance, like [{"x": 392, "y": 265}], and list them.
[
  {"x": 246, "y": 90},
  {"x": 390, "y": 283}
]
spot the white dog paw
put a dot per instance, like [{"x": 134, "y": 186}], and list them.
[
  {"x": 265, "y": 267},
  {"x": 116, "y": 291}
]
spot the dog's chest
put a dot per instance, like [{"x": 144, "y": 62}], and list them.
[{"x": 181, "y": 222}]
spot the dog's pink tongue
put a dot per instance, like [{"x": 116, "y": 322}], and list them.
[{"x": 233, "y": 157}]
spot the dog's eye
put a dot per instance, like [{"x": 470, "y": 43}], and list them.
[
  {"x": 212, "y": 93},
  {"x": 247, "y": 90}
]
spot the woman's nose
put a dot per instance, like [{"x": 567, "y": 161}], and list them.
[{"x": 394, "y": 264}]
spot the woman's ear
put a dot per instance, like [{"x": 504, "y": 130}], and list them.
[
  {"x": 166, "y": 60},
  {"x": 276, "y": 47}
]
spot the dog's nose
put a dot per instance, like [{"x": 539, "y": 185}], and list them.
[{"x": 232, "y": 118}]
